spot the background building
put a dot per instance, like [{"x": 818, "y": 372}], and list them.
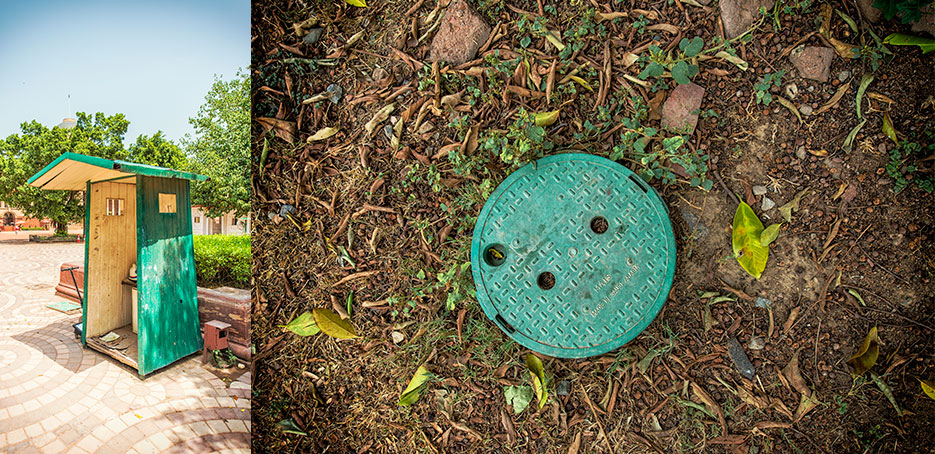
[{"x": 224, "y": 225}]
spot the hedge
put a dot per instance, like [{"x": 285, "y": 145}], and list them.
[{"x": 223, "y": 260}]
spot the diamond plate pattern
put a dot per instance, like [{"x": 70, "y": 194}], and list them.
[{"x": 608, "y": 287}]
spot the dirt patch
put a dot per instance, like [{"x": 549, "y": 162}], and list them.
[{"x": 398, "y": 205}]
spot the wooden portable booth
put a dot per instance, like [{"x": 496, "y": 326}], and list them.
[{"x": 134, "y": 214}]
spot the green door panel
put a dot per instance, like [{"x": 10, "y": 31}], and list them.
[{"x": 168, "y": 304}]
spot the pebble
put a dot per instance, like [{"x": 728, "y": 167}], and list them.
[
  {"x": 763, "y": 303},
  {"x": 388, "y": 131},
  {"x": 844, "y": 75},
  {"x": 756, "y": 343},
  {"x": 801, "y": 153},
  {"x": 806, "y": 109},
  {"x": 759, "y": 190},
  {"x": 792, "y": 90},
  {"x": 741, "y": 361},
  {"x": 768, "y": 204},
  {"x": 313, "y": 36},
  {"x": 563, "y": 388},
  {"x": 334, "y": 93}
]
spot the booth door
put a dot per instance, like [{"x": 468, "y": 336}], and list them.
[{"x": 168, "y": 304}]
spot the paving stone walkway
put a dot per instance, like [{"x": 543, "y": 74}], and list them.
[{"x": 56, "y": 397}]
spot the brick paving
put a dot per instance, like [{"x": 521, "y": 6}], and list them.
[{"x": 57, "y": 397}]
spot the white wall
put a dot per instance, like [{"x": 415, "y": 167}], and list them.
[{"x": 225, "y": 225}]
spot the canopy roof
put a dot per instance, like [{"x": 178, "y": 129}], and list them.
[{"x": 72, "y": 171}]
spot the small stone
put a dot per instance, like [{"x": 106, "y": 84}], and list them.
[
  {"x": 388, "y": 131},
  {"x": 768, "y": 204},
  {"x": 813, "y": 62},
  {"x": 378, "y": 74},
  {"x": 461, "y": 33},
  {"x": 792, "y": 90},
  {"x": 241, "y": 366},
  {"x": 286, "y": 209},
  {"x": 699, "y": 230},
  {"x": 756, "y": 343},
  {"x": 334, "y": 92},
  {"x": 425, "y": 127},
  {"x": 313, "y": 36},
  {"x": 801, "y": 153},
  {"x": 759, "y": 190},
  {"x": 563, "y": 388},
  {"x": 397, "y": 337},
  {"x": 844, "y": 75},
  {"x": 806, "y": 109},
  {"x": 868, "y": 11},
  {"x": 762, "y": 303},
  {"x": 740, "y": 358},
  {"x": 680, "y": 110}
]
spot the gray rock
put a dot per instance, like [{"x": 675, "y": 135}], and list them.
[
  {"x": 461, "y": 33},
  {"x": 813, "y": 62},
  {"x": 563, "y": 388},
  {"x": 740, "y": 358},
  {"x": 844, "y": 75},
  {"x": 762, "y": 303},
  {"x": 334, "y": 92},
  {"x": 806, "y": 109},
  {"x": 699, "y": 230},
  {"x": 739, "y": 15},
  {"x": 680, "y": 110},
  {"x": 759, "y": 190},
  {"x": 313, "y": 36},
  {"x": 768, "y": 204}
]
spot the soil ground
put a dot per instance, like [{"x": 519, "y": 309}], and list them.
[{"x": 855, "y": 255}]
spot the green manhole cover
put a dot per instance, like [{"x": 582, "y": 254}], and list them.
[{"x": 573, "y": 255}]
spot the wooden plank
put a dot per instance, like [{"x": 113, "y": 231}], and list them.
[
  {"x": 167, "y": 306},
  {"x": 112, "y": 250},
  {"x": 123, "y": 349}
]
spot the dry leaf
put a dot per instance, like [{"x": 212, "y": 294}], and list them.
[
  {"x": 866, "y": 355},
  {"x": 546, "y": 118},
  {"x": 792, "y": 373},
  {"x": 928, "y": 387},
  {"x": 806, "y": 404},
  {"x": 285, "y": 130},
  {"x": 788, "y": 105},
  {"x": 380, "y": 117},
  {"x": 323, "y": 134},
  {"x": 333, "y": 325},
  {"x": 834, "y": 99}
]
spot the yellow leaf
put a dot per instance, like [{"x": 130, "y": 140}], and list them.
[
  {"x": 745, "y": 240},
  {"x": 357, "y": 3},
  {"x": 554, "y": 37},
  {"x": 581, "y": 82},
  {"x": 769, "y": 234},
  {"x": 323, "y": 134},
  {"x": 536, "y": 371},
  {"x": 332, "y": 324},
  {"x": 866, "y": 355},
  {"x": 547, "y": 118},
  {"x": 888, "y": 128},
  {"x": 303, "y": 325},
  {"x": 411, "y": 394},
  {"x": 928, "y": 387}
]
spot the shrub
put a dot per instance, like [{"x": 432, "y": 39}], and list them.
[{"x": 222, "y": 260}]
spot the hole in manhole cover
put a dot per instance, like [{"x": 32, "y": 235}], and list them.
[
  {"x": 599, "y": 225},
  {"x": 495, "y": 255},
  {"x": 546, "y": 280}
]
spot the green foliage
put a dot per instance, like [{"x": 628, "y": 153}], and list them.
[
  {"x": 750, "y": 253},
  {"x": 158, "y": 151},
  {"x": 522, "y": 142},
  {"x": 905, "y": 163},
  {"x": 762, "y": 88},
  {"x": 898, "y": 39},
  {"x": 223, "y": 260},
  {"x": 24, "y": 154},
  {"x": 678, "y": 66},
  {"x": 220, "y": 148},
  {"x": 908, "y": 10}
]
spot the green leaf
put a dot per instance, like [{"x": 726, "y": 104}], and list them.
[
  {"x": 357, "y": 3},
  {"x": 888, "y": 128},
  {"x": 849, "y": 140},
  {"x": 332, "y": 324},
  {"x": 866, "y": 355},
  {"x": 652, "y": 70},
  {"x": 416, "y": 384},
  {"x": 546, "y": 118},
  {"x": 769, "y": 234},
  {"x": 582, "y": 82},
  {"x": 898, "y": 39},
  {"x": 537, "y": 373},
  {"x": 350, "y": 300},
  {"x": 860, "y": 299},
  {"x": 864, "y": 83},
  {"x": 691, "y": 48},
  {"x": 745, "y": 240},
  {"x": 518, "y": 396},
  {"x": 682, "y": 72},
  {"x": 850, "y": 22},
  {"x": 290, "y": 427},
  {"x": 304, "y": 325}
]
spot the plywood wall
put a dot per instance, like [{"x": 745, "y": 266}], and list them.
[{"x": 111, "y": 252}]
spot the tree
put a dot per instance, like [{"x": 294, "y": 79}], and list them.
[
  {"x": 158, "y": 151},
  {"x": 24, "y": 154},
  {"x": 220, "y": 148}
]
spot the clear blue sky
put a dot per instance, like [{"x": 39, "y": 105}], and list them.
[{"x": 152, "y": 61}]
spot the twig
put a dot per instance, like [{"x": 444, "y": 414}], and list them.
[
  {"x": 600, "y": 425},
  {"x": 874, "y": 263},
  {"x": 729, "y": 192}
]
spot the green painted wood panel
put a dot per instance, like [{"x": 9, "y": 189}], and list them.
[{"x": 168, "y": 303}]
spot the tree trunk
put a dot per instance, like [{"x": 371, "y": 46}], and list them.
[{"x": 61, "y": 228}]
